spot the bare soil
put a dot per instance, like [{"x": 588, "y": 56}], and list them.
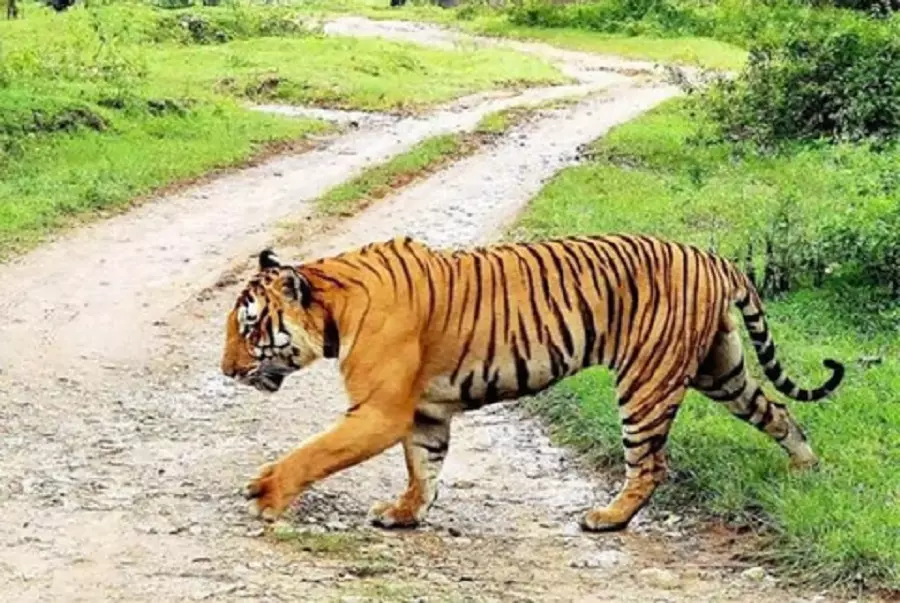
[{"x": 123, "y": 449}]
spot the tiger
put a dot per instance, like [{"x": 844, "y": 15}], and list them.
[{"x": 422, "y": 334}]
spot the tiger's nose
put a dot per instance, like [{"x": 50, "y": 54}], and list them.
[{"x": 228, "y": 369}]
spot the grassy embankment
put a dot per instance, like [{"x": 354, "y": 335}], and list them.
[{"x": 101, "y": 106}]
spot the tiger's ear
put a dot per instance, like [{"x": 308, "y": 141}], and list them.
[
  {"x": 268, "y": 259},
  {"x": 296, "y": 287}
]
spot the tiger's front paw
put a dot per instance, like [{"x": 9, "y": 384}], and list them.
[
  {"x": 267, "y": 495},
  {"x": 392, "y": 515},
  {"x": 604, "y": 519}
]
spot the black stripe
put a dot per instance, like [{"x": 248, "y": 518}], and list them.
[
  {"x": 562, "y": 328},
  {"x": 726, "y": 396},
  {"x": 561, "y": 273},
  {"x": 505, "y": 296},
  {"x": 523, "y": 335},
  {"x": 766, "y": 355},
  {"x": 532, "y": 298},
  {"x": 387, "y": 266},
  {"x": 331, "y": 344},
  {"x": 421, "y": 418},
  {"x": 406, "y": 273},
  {"x": 438, "y": 450},
  {"x": 478, "y": 293},
  {"x": 521, "y": 371},
  {"x": 590, "y": 329}
]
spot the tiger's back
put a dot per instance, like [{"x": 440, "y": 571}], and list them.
[
  {"x": 516, "y": 319},
  {"x": 423, "y": 334}
]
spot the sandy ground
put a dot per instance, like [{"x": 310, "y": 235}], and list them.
[{"x": 123, "y": 449}]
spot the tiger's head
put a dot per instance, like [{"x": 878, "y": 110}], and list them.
[{"x": 275, "y": 328}]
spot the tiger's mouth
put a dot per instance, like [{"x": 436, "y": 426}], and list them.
[
  {"x": 268, "y": 376},
  {"x": 269, "y": 382}
]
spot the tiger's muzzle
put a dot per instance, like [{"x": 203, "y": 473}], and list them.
[{"x": 267, "y": 377}]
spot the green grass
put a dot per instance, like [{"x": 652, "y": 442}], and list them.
[
  {"x": 423, "y": 159},
  {"x": 351, "y": 544},
  {"x": 832, "y": 525},
  {"x": 377, "y": 182},
  {"x": 53, "y": 181},
  {"x": 346, "y": 73},
  {"x": 682, "y": 50},
  {"x": 102, "y": 105}
]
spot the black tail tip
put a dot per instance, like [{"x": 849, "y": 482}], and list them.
[{"x": 837, "y": 370}]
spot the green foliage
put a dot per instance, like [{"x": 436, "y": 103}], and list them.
[
  {"x": 225, "y": 25},
  {"x": 840, "y": 86},
  {"x": 632, "y": 17},
  {"x": 877, "y": 8},
  {"x": 830, "y": 204},
  {"x": 733, "y": 21}
]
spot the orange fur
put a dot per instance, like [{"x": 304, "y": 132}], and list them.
[{"x": 422, "y": 335}]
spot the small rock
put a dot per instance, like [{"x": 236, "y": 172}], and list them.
[
  {"x": 659, "y": 577},
  {"x": 756, "y": 574},
  {"x": 454, "y": 531},
  {"x": 603, "y": 559},
  {"x": 336, "y": 526},
  {"x": 672, "y": 519}
]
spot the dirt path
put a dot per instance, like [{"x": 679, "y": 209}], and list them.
[{"x": 122, "y": 448}]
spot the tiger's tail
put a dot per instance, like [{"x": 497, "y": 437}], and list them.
[{"x": 751, "y": 307}]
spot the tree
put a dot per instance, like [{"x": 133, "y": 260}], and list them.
[{"x": 12, "y": 11}]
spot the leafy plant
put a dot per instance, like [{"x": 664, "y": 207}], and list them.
[{"x": 838, "y": 86}]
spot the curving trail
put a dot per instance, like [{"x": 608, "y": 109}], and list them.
[{"x": 123, "y": 449}]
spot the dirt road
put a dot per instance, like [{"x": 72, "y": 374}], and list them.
[{"x": 123, "y": 449}]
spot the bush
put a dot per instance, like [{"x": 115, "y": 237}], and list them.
[
  {"x": 878, "y": 8},
  {"x": 632, "y": 17},
  {"x": 214, "y": 27},
  {"x": 838, "y": 86}
]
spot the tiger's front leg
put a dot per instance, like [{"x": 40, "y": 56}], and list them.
[
  {"x": 425, "y": 449},
  {"x": 360, "y": 435},
  {"x": 382, "y": 416}
]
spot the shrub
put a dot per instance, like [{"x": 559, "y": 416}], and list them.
[
  {"x": 837, "y": 86},
  {"x": 217, "y": 27},
  {"x": 626, "y": 16},
  {"x": 877, "y": 8}
]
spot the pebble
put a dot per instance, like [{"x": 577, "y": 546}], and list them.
[
  {"x": 601, "y": 559},
  {"x": 756, "y": 574},
  {"x": 659, "y": 577}
]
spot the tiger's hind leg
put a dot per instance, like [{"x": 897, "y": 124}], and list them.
[
  {"x": 724, "y": 378},
  {"x": 425, "y": 449},
  {"x": 647, "y": 416}
]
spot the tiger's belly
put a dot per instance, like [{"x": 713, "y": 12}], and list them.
[{"x": 476, "y": 385}]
